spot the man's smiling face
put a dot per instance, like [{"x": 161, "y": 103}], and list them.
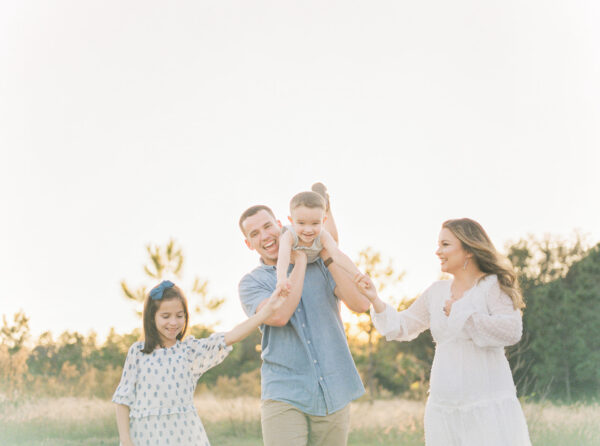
[{"x": 262, "y": 234}]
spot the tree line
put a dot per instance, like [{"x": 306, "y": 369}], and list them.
[{"x": 557, "y": 358}]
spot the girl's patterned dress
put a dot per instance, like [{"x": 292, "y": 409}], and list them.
[{"x": 159, "y": 388}]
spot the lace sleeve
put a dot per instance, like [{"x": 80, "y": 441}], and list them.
[
  {"x": 403, "y": 325},
  {"x": 503, "y": 325}
]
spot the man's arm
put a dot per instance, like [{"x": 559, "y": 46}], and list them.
[
  {"x": 338, "y": 257},
  {"x": 345, "y": 289},
  {"x": 283, "y": 314}
]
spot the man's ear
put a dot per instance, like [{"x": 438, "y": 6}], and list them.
[{"x": 248, "y": 244}]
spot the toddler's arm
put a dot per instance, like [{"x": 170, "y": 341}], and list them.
[
  {"x": 283, "y": 258},
  {"x": 338, "y": 256},
  {"x": 122, "y": 412},
  {"x": 241, "y": 331}
]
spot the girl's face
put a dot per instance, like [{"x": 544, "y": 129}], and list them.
[
  {"x": 451, "y": 252},
  {"x": 169, "y": 320},
  {"x": 307, "y": 223}
]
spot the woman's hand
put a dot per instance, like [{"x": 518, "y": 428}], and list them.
[
  {"x": 365, "y": 286},
  {"x": 448, "y": 306}
]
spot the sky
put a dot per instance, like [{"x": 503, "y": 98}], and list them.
[{"x": 124, "y": 123}]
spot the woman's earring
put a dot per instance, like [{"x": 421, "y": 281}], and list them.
[{"x": 465, "y": 265}]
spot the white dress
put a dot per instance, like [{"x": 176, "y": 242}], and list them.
[
  {"x": 472, "y": 397},
  {"x": 159, "y": 388}
]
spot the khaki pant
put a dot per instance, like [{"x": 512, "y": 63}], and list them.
[{"x": 286, "y": 425}]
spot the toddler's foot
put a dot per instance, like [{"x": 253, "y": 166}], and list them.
[{"x": 322, "y": 191}]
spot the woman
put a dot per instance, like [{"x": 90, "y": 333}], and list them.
[{"x": 472, "y": 397}]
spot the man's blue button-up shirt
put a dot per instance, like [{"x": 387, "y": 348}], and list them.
[{"x": 306, "y": 363}]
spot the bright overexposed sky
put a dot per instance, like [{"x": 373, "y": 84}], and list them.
[{"x": 124, "y": 123}]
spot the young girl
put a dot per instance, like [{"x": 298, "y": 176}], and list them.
[
  {"x": 155, "y": 396},
  {"x": 307, "y": 233}
]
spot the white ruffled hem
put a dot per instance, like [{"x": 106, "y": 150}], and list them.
[{"x": 497, "y": 422}]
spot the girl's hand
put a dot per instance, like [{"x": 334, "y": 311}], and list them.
[
  {"x": 284, "y": 286},
  {"x": 365, "y": 286},
  {"x": 276, "y": 299}
]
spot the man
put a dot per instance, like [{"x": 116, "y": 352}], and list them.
[{"x": 308, "y": 375}]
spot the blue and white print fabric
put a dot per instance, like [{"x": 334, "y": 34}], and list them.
[{"x": 159, "y": 389}]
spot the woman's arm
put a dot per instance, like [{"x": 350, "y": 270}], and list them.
[
  {"x": 503, "y": 326},
  {"x": 122, "y": 413},
  {"x": 396, "y": 325}
]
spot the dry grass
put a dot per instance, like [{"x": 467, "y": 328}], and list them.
[
  {"x": 403, "y": 414},
  {"x": 549, "y": 424}
]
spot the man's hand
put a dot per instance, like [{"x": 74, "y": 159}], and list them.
[{"x": 297, "y": 255}]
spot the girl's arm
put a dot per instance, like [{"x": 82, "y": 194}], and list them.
[
  {"x": 283, "y": 258},
  {"x": 122, "y": 412},
  {"x": 338, "y": 256},
  {"x": 241, "y": 331}
]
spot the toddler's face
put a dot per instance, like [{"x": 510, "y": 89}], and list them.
[{"x": 307, "y": 222}]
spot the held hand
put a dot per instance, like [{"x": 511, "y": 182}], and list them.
[
  {"x": 276, "y": 300},
  {"x": 365, "y": 286},
  {"x": 283, "y": 287}
]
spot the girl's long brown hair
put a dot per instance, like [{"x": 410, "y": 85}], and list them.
[
  {"x": 475, "y": 240},
  {"x": 151, "y": 336}
]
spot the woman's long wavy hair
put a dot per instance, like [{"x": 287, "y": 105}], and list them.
[
  {"x": 151, "y": 335},
  {"x": 475, "y": 240}
]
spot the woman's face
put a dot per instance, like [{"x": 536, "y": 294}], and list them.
[{"x": 450, "y": 252}]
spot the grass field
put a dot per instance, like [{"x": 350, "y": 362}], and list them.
[{"x": 236, "y": 422}]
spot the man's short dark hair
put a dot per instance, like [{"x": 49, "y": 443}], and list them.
[{"x": 252, "y": 210}]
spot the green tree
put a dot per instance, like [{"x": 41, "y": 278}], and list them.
[
  {"x": 544, "y": 356},
  {"x": 384, "y": 277},
  {"x": 15, "y": 335},
  {"x": 166, "y": 261},
  {"x": 564, "y": 323}
]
